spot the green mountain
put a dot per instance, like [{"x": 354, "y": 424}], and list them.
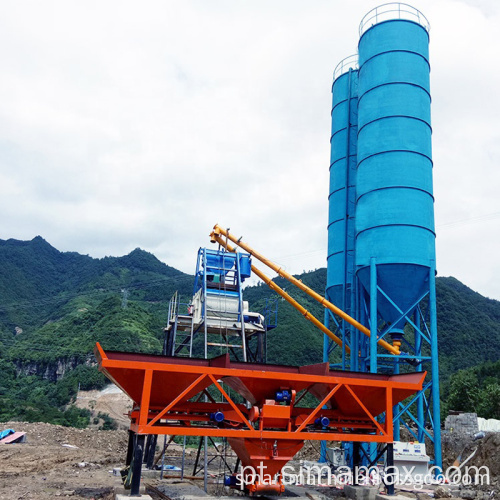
[
  {"x": 36, "y": 280},
  {"x": 468, "y": 326},
  {"x": 55, "y": 305}
]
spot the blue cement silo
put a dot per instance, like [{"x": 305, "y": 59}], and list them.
[
  {"x": 389, "y": 286},
  {"x": 342, "y": 197},
  {"x": 395, "y": 204}
]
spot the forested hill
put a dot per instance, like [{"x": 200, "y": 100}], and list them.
[
  {"x": 55, "y": 305},
  {"x": 36, "y": 280}
]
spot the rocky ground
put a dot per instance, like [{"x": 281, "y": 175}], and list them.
[
  {"x": 66, "y": 462},
  {"x": 111, "y": 400},
  {"x": 466, "y": 452},
  {"x": 43, "y": 468}
]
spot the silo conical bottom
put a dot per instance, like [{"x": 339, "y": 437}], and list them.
[{"x": 403, "y": 283}]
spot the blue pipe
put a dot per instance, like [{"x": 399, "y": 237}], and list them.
[
  {"x": 418, "y": 352},
  {"x": 395, "y": 431},
  {"x": 322, "y": 453},
  {"x": 373, "y": 316},
  {"x": 325, "y": 338}
]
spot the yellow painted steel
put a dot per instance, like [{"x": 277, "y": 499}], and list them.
[
  {"x": 270, "y": 283},
  {"x": 219, "y": 231}
]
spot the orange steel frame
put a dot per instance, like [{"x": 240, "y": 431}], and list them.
[{"x": 179, "y": 416}]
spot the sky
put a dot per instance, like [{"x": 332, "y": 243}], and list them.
[{"x": 142, "y": 124}]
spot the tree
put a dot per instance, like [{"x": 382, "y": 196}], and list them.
[
  {"x": 464, "y": 391},
  {"x": 489, "y": 402}
]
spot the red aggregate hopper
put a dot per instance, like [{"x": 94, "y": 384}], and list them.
[{"x": 189, "y": 396}]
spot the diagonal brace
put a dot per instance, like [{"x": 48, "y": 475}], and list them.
[
  {"x": 177, "y": 399},
  {"x": 319, "y": 407},
  {"x": 372, "y": 418},
  {"x": 231, "y": 402}
]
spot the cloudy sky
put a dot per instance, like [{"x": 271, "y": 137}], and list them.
[{"x": 129, "y": 124}]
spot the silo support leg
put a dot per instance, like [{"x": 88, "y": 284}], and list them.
[
  {"x": 373, "y": 316},
  {"x": 137, "y": 466},
  {"x": 389, "y": 464},
  {"x": 436, "y": 408},
  {"x": 130, "y": 448}
]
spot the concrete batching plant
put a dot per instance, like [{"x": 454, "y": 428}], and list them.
[{"x": 380, "y": 305}]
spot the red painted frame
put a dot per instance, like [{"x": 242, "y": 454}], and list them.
[{"x": 163, "y": 389}]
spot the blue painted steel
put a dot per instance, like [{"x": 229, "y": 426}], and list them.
[
  {"x": 394, "y": 248},
  {"x": 373, "y": 315},
  {"x": 245, "y": 265},
  {"x": 218, "y": 262},
  {"x": 436, "y": 406},
  {"x": 396, "y": 423},
  {"x": 418, "y": 352},
  {"x": 231, "y": 481},
  {"x": 395, "y": 204},
  {"x": 215, "y": 265},
  {"x": 202, "y": 255},
  {"x": 270, "y": 313},
  {"x": 224, "y": 293},
  {"x": 322, "y": 452},
  {"x": 342, "y": 206},
  {"x": 341, "y": 231}
]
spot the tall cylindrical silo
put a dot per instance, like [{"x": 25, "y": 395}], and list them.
[
  {"x": 342, "y": 197},
  {"x": 394, "y": 199}
]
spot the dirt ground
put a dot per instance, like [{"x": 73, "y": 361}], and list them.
[
  {"x": 110, "y": 400},
  {"x": 42, "y": 468}
]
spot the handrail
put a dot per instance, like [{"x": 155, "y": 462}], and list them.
[
  {"x": 390, "y": 11},
  {"x": 215, "y": 235},
  {"x": 349, "y": 62}
]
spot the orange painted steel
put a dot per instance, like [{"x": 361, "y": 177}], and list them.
[
  {"x": 167, "y": 393},
  {"x": 273, "y": 286},
  {"x": 272, "y": 458},
  {"x": 215, "y": 237}
]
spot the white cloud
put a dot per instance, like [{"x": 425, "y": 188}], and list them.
[{"x": 126, "y": 125}]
